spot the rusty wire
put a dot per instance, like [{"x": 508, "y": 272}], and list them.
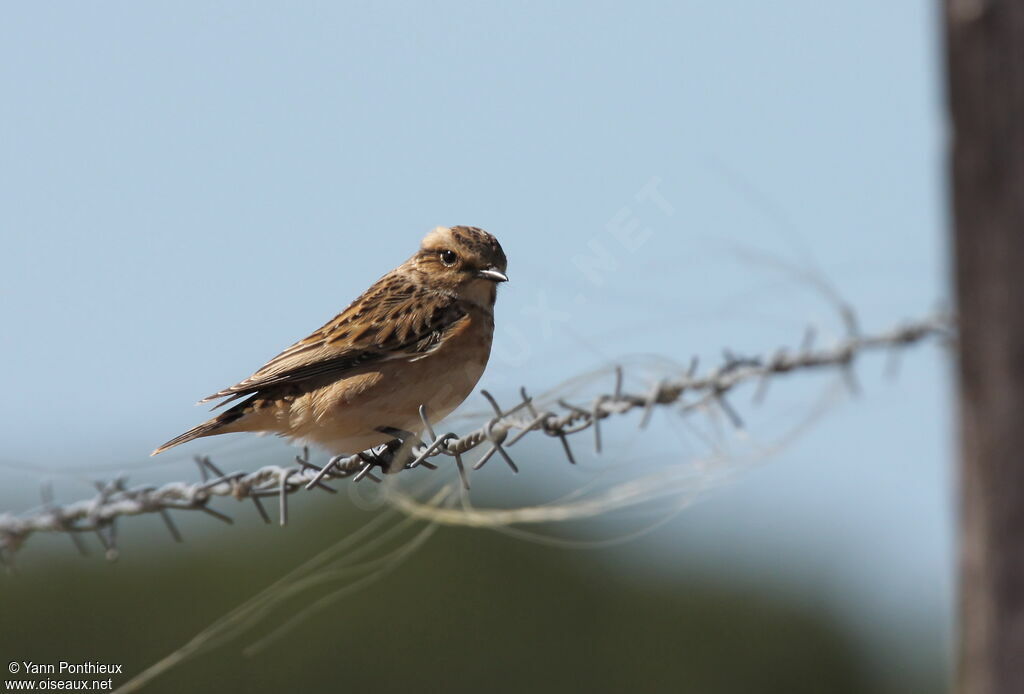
[{"x": 114, "y": 499}]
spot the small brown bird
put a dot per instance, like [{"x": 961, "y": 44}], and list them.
[{"x": 421, "y": 335}]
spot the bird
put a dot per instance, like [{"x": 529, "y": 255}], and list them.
[{"x": 419, "y": 336}]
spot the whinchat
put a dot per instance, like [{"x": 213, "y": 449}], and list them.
[{"x": 421, "y": 335}]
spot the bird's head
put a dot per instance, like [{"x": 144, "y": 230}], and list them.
[{"x": 464, "y": 260}]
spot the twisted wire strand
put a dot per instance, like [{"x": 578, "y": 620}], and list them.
[{"x": 115, "y": 499}]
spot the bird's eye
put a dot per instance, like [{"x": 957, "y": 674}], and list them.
[{"x": 448, "y": 258}]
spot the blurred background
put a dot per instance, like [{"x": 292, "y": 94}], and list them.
[{"x": 187, "y": 188}]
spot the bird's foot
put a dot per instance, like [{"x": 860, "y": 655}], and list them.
[{"x": 396, "y": 455}]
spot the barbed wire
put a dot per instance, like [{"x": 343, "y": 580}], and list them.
[{"x": 114, "y": 499}]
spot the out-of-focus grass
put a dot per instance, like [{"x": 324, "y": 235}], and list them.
[{"x": 472, "y": 611}]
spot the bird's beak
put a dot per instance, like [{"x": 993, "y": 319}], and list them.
[{"x": 493, "y": 275}]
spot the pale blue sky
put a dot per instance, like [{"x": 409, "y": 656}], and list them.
[{"x": 186, "y": 188}]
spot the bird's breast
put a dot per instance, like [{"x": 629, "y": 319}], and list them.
[{"x": 344, "y": 415}]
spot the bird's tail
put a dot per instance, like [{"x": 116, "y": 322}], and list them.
[{"x": 210, "y": 426}]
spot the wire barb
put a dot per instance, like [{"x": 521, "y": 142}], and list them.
[{"x": 114, "y": 499}]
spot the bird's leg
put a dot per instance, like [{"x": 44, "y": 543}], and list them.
[{"x": 403, "y": 442}]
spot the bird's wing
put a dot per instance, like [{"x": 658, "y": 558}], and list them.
[{"x": 393, "y": 319}]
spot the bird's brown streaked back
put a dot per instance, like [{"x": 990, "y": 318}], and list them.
[
  {"x": 405, "y": 317},
  {"x": 394, "y": 319}
]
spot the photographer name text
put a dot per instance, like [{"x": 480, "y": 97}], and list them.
[{"x": 65, "y": 668}]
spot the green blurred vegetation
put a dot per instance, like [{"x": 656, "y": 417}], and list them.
[{"x": 471, "y": 611}]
